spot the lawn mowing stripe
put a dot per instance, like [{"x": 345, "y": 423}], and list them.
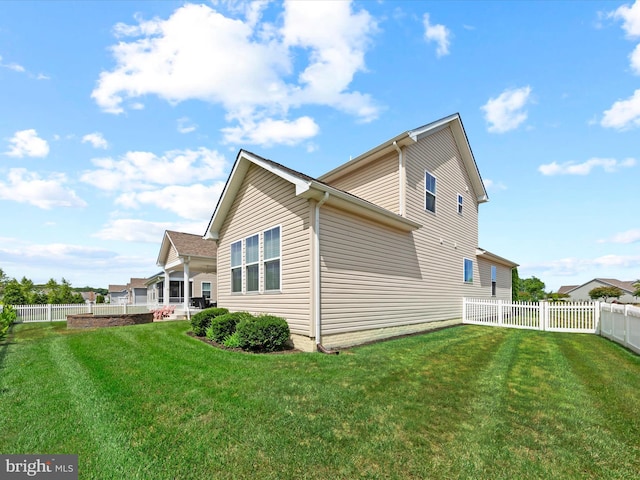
[{"x": 112, "y": 451}]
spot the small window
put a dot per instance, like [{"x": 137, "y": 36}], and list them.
[
  {"x": 430, "y": 192},
  {"x": 272, "y": 259},
  {"x": 252, "y": 267},
  {"x": 206, "y": 289},
  {"x": 236, "y": 266},
  {"x": 460, "y": 204},
  {"x": 494, "y": 277},
  {"x": 468, "y": 270}
]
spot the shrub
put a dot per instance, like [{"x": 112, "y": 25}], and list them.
[
  {"x": 264, "y": 333},
  {"x": 225, "y": 325},
  {"x": 7, "y": 317},
  {"x": 232, "y": 341},
  {"x": 201, "y": 320}
]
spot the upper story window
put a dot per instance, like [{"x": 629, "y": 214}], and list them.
[
  {"x": 236, "y": 266},
  {"x": 272, "y": 259},
  {"x": 251, "y": 265},
  {"x": 460, "y": 204},
  {"x": 468, "y": 270},
  {"x": 430, "y": 192}
]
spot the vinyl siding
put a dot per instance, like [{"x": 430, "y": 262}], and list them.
[
  {"x": 172, "y": 255},
  {"x": 204, "y": 277},
  {"x": 503, "y": 280},
  {"x": 376, "y": 182},
  {"x": 374, "y": 277},
  {"x": 264, "y": 201}
]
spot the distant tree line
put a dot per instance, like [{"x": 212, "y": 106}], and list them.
[{"x": 25, "y": 292}]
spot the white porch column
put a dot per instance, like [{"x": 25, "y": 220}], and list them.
[
  {"x": 165, "y": 287},
  {"x": 186, "y": 284}
]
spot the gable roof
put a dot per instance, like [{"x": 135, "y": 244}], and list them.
[
  {"x": 186, "y": 245},
  {"x": 137, "y": 283},
  {"x": 625, "y": 286},
  {"x": 305, "y": 187},
  {"x": 117, "y": 288},
  {"x": 454, "y": 122},
  {"x": 567, "y": 288}
]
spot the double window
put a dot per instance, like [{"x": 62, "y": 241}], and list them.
[
  {"x": 429, "y": 192},
  {"x": 256, "y": 254}
]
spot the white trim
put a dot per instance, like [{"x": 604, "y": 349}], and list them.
[
  {"x": 464, "y": 267},
  {"x": 434, "y": 193},
  {"x": 245, "y": 264},
  {"x": 271, "y": 259},
  {"x": 232, "y": 267}
]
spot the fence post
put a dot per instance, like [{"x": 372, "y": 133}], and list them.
[
  {"x": 542, "y": 315},
  {"x": 596, "y": 317},
  {"x": 626, "y": 325},
  {"x": 464, "y": 310},
  {"x": 50, "y": 312},
  {"x": 500, "y": 311}
]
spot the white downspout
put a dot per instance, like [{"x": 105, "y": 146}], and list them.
[
  {"x": 316, "y": 246},
  {"x": 401, "y": 177}
]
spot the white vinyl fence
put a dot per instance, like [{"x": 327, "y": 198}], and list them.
[
  {"x": 620, "y": 323},
  {"x": 58, "y": 313},
  {"x": 554, "y": 317}
]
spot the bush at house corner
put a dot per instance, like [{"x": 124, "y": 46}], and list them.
[{"x": 201, "y": 320}]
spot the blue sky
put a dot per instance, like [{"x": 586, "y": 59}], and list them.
[{"x": 121, "y": 119}]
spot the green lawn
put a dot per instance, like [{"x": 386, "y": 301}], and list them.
[{"x": 148, "y": 401}]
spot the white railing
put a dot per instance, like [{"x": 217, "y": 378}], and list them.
[
  {"x": 58, "y": 313},
  {"x": 621, "y": 323},
  {"x": 556, "y": 317}
]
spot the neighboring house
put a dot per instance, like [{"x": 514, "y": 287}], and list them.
[
  {"x": 133, "y": 293},
  {"x": 384, "y": 245},
  {"x": 580, "y": 293},
  {"x": 118, "y": 294},
  {"x": 185, "y": 259},
  {"x": 89, "y": 297}
]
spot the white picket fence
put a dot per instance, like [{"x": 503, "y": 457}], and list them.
[
  {"x": 57, "y": 313},
  {"x": 620, "y": 323}
]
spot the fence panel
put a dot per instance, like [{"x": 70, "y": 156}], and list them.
[
  {"x": 572, "y": 317},
  {"x": 621, "y": 323},
  {"x": 58, "y": 313}
]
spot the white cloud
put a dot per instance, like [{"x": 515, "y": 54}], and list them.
[
  {"x": 437, "y": 33},
  {"x": 623, "y": 114},
  {"x": 491, "y": 185},
  {"x": 630, "y": 16},
  {"x": 143, "y": 170},
  {"x": 630, "y": 236},
  {"x": 46, "y": 193},
  {"x": 96, "y": 139},
  {"x": 133, "y": 230},
  {"x": 634, "y": 58},
  {"x": 12, "y": 66},
  {"x": 609, "y": 165},
  {"x": 271, "y": 132},
  {"x": 194, "y": 202},
  {"x": 27, "y": 143},
  {"x": 506, "y": 112},
  {"x": 185, "y": 125},
  {"x": 194, "y": 54}
]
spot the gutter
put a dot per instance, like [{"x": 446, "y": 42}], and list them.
[{"x": 316, "y": 293}]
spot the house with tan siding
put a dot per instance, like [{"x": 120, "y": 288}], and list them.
[
  {"x": 384, "y": 245},
  {"x": 580, "y": 293}
]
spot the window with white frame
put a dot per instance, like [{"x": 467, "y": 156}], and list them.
[
  {"x": 251, "y": 262},
  {"x": 460, "y": 204},
  {"x": 236, "y": 267},
  {"x": 429, "y": 192},
  {"x": 494, "y": 278},
  {"x": 272, "y": 259},
  {"x": 468, "y": 270},
  {"x": 206, "y": 289}
]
